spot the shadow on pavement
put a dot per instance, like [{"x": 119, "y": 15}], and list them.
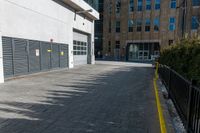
[{"x": 82, "y": 102}]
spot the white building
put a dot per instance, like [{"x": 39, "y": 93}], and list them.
[{"x": 40, "y": 35}]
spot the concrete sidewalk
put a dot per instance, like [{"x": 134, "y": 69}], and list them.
[{"x": 107, "y": 97}]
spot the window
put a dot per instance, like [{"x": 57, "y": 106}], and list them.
[
  {"x": 195, "y": 23},
  {"x": 156, "y": 24},
  {"x": 109, "y": 27},
  {"x": 195, "y": 2},
  {"x": 118, "y": 6},
  {"x": 148, "y": 4},
  {"x": 172, "y": 25},
  {"x": 131, "y": 6},
  {"x": 157, "y": 4},
  {"x": 139, "y": 6},
  {"x": 147, "y": 25},
  {"x": 139, "y": 25},
  {"x": 170, "y": 42},
  {"x": 130, "y": 25},
  {"x": 117, "y": 26},
  {"x": 173, "y": 4},
  {"x": 79, "y": 48},
  {"x": 109, "y": 46},
  {"x": 117, "y": 46}
]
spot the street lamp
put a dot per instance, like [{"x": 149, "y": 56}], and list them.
[{"x": 81, "y": 12}]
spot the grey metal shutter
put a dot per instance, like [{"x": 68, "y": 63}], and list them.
[
  {"x": 34, "y": 56},
  {"x": 55, "y": 56},
  {"x": 7, "y": 56},
  {"x": 64, "y": 56},
  {"x": 20, "y": 57},
  {"x": 45, "y": 55}
]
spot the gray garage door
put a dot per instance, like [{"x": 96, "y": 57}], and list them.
[
  {"x": 34, "y": 56},
  {"x": 7, "y": 57},
  {"x": 45, "y": 56},
  {"x": 80, "y": 48},
  {"x": 55, "y": 56},
  {"x": 64, "y": 56},
  {"x": 22, "y": 56}
]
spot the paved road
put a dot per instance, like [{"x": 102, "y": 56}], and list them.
[{"x": 108, "y": 97}]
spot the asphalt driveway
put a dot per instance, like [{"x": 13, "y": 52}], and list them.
[{"x": 108, "y": 97}]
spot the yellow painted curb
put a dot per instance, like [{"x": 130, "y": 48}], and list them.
[{"x": 160, "y": 111}]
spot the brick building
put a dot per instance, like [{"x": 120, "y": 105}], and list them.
[
  {"x": 190, "y": 18},
  {"x": 135, "y": 30}
]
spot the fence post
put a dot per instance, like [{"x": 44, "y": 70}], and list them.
[
  {"x": 189, "y": 107},
  {"x": 169, "y": 83}
]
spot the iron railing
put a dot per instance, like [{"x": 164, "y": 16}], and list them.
[{"x": 185, "y": 95}]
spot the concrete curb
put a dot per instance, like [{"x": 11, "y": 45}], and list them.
[{"x": 172, "y": 119}]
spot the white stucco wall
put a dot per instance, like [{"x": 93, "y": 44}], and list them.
[
  {"x": 1, "y": 51},
  {"x": 42, "y": 20}
]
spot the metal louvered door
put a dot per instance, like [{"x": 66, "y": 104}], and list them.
[
  {"x": 45, "y": 56},
  {"x": 55, "y": 56},
  {"x": 20, "y": 57},
  {"x": 7, "y": 56},
  {"x": 64, "y": 56},
  {"x": 34, "y": 56}
]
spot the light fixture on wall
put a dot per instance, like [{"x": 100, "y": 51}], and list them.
[{"x": 82, "y": 12}]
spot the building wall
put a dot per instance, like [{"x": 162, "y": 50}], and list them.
[
  {"x": 187, "y": 11},
  {"x": 163, "y": 35},
  {"x": 43, "y": 20}
]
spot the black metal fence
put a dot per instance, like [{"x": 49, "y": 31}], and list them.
[{"x": 185, "y": 95}]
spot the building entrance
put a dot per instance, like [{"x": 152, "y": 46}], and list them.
[{"x": 142, "y": 51}]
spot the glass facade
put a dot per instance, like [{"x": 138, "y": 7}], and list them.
[
  {"x": 157, "y": 4},
  {"x": 196, "y": 2},
  {"x": 139, "y": 5},
  {"x": 131, "y": 6},
  {"x": 195, "y": 23},
  {"x": 156, "y": 24},
  {"x": 172, "y": 23},
  {"x": 173, "y": 4},
  {"x": 98, "y": 5},
  {"x": 147, "y": 25},
  {"x": 148, "y": 4}
]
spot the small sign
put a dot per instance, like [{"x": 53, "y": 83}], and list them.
[
  {"x": 49, "y": 50},
  {"x": 62, "y": 53},
  {"x": 37, "y": 52}
]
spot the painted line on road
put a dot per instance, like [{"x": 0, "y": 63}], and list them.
[{"x": 160, "y": 111}]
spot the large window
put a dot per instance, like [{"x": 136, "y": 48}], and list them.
[
  {"x": 148, "y": 4},
  {"x": 139, "y": 5},
  {"x": 156, "y": 24},
  {"x": 172, "y": 23},
  {"x": 130, "y": 25},
  {"x": 109, "y": 26},
  {"x": 131, "y": 6},
  {"x": 80, "y": 48},
  {"x": 109, "y": 46},
  {"x": 118, "y": 6},
  {"x": 196, "y": 2},
  {"x": 139, "y": 25},
  {"x": 117, "y": 26},
  {"x": 157, "y": 4},
  {"x": 173, "y": 4},
  {"x": 147, "y": 25},
  {"x": 195, "y": 23},
  {"x": 117, "y": 46}
]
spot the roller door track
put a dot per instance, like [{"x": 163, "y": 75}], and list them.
[{"x": 22, "y": 56}]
